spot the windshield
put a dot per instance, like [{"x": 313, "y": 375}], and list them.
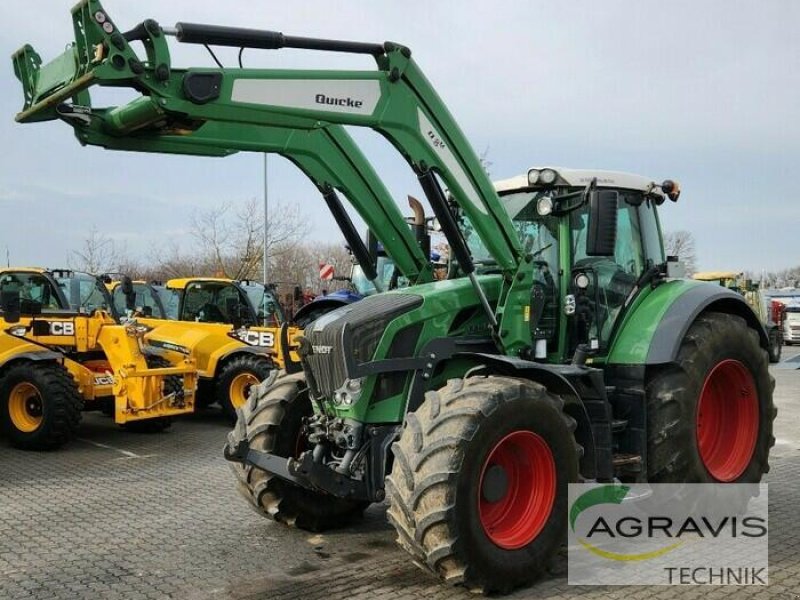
[
  {"x": 171, "y": 299},
  {"x": 537, "y": 234},
  {"x": 84, "y": 292},
  {"x": 385, "y": 270},
  {"x": 263, "y": 300},
  {"x": 145, "y": 301}
]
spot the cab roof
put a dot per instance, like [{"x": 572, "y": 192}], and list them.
[
  {"x": 581, "y": 177},
  {"x": 181, "y": 283},
  {"x": 23, "y": 270}
]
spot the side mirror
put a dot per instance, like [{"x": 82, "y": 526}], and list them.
[
  {"x": 127, "y": 290},
  {"x": 601, "y": 237},
  {"x": 9, "y": 299}
]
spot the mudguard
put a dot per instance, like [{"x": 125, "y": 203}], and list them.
[{"x": 652, "y": 332}]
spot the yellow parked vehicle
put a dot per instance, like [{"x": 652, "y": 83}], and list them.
[
  {"x": 115, "y": 370},
  {"x": 231, "y": 328},
  {"x": 40, "y": 405}
]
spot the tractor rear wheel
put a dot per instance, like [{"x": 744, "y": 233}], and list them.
[
  {"x": 272, "y": 420},
  {"x": 478, "y": 489},
  {"x": 41, "y": 405},
  {"x": 710, "y": 413},
  {"x": 236, "y": 378}
]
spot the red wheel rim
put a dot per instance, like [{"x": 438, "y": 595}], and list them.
[
  {"x": 727, "y": 420},
  {"x": 514, "y": 511}
]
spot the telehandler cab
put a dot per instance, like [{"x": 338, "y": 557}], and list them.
[
  {"x": 565, "y": 349},
  {"x": 114, "y": 368}
]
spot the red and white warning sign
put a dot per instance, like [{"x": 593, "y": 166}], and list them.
[{"x": 326, "y": 272}]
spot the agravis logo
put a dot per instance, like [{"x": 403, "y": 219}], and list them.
[
  {"x": 608, "y": 494},
  {"x": 683, "y": 533}
]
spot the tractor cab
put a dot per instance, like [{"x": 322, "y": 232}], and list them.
[{"x": 592, "y": 237}]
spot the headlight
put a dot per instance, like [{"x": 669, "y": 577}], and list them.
[
  {"x": 533, "y": 176},
  {"x": 547, "y": 176},
  {"x": 18, "y": 331},
  {"x": 582, "y": 281},
  {"x": 544, "y": 206}
]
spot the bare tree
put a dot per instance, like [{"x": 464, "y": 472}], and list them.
[
  {"x": 98, "y": 254},
  {"x": 232, "y": 243},
  {"x": 681, "y": 244}
]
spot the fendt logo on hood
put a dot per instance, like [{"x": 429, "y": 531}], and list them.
[{"x": 334, "y": 101}]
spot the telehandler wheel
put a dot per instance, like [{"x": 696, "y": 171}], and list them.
[
  {"x": 272, "y": 420},
  {"x": 478, "y": 489},
  {"x": 236, "y": 378},
  {"x": 710, "y": 414},
  {"x": 41, "y": 405},
  {"x": 172, "y": 385},
  {"x": 775, "y": 346}
]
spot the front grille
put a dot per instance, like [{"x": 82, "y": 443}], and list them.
[{"x": 351, "y": 331}]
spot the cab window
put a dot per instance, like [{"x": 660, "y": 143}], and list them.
[
  {"x": 34, "y": 287},
  {"x": 212, "y": 303}
]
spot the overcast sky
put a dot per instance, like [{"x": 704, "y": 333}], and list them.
[{"x": 703, "y": 92}]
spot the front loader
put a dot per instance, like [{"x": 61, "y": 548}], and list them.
[
  {"x": 115, "y": 370},
  {"x": 561, "y": 347}
]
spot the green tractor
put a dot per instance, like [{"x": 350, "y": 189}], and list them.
[{"x": 562, "y": 347}]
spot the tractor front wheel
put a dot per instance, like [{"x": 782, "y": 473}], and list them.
[
  {"x": 236, "y": 378},
  {"x": 272, "y": 420},
  {"x": 41, "y": 405},
  {"x": 710, "y": 413},
  {"x": 478, "y": 489}
]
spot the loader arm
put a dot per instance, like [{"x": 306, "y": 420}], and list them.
[{"x": 395, "y": 100}]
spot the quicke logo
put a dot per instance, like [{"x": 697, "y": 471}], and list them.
[{"x": 333, "y": 101}]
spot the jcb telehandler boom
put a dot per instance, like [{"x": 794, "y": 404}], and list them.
[{"x": 567, "y": 351}]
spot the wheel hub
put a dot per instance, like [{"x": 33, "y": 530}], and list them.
[
  {"x": 495, "y": 484},
  {"x": 25, "y": 407},
  {"x": 517, "y": 490},
  {"x": 727, "y": 420}
]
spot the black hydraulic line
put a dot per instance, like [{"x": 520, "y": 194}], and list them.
[
  {"x": 438, "y": 202},
  {"x": 240, "y": 37},
  {"x": 357, "y": 246},
  {"x": 433, "y": 191}
]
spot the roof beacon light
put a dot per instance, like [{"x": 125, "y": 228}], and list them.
[{"x": 672, "y": 189}]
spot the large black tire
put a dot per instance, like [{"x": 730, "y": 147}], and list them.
[
  {"x": 272, "y": 420},
  {"x": 236, "y": 378},
  {"x": 439, "y": 482},
  {"x": 173, "y": 384},
  {"x": 715, "y": 342},
  {"x": 775, "y": 345},
  {"x": 51, "y": 408}
]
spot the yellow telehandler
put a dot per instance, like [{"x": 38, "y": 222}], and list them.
[{"x": 115, "y": 370}]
